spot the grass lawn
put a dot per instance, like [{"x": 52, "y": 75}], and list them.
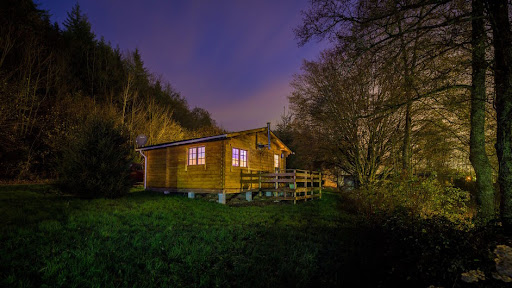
[{"x": 148, "y": 239}]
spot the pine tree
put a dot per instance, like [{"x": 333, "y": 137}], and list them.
[{"x": 81, "y": 46}]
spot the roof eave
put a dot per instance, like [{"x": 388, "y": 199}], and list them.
[{"x": 183, "y": 142}]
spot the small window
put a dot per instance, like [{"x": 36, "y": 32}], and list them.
[
  {"x": 235, "y": 157},
  {"x": 239, "y": 157},
  {"x": 276, "y": 161},
  {"x": 243, "y": 158},
  {"x": 196, "y": 156},
  {"x": 200, "y": 156},
  {"x": 192, "y": 156}
]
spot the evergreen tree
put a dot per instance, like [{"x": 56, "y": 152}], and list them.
[{"x": 81, "y": 48}]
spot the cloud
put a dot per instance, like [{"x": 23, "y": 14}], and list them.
[{"x": 253, "y": 111}]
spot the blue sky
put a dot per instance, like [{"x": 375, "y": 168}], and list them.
[{"x": 233, "y": 58}]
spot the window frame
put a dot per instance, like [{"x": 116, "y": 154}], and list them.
[
  {"x": 201, "y": 151},
  {"x": 276, "y": 161},
  {"x": 235, "y": 157},
  {"x": 236, "y": 161},
  {"x": 245, "y": 161},
  {"x": 193, "y": 156}
]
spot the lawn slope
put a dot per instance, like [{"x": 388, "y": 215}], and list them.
[{"x": 152, "y": 240}]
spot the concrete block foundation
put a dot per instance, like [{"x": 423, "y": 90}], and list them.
[{"x": 222, "y": 198}]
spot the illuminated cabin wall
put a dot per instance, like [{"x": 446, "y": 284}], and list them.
[
  {"x": 167, "y": 167},
  {"x": 259, "y": 159}
]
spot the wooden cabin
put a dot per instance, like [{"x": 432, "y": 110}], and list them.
[{"x": 213, "y": 164}]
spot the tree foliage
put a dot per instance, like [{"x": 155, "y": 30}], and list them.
[
  {"x": 342, "y": 105},
  {"x": 50, "y": 76},
  {"x": 434, "y": 56},
  {"x": 96, "y": 161}
]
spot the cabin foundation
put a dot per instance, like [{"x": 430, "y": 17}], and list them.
[
  {"x": 222, "y": 198},
  {"x": 290, "y": 185}
]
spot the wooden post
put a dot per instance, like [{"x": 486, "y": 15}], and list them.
[
  {"x": 320, "y": 185},
  {"x": 251, "y": 178},
  {"x": 259, "y": 183},
  {"x": 312, "y": 184},
  {"x": 276, "y": 185},
  {"x": 307, "y": 186},
  {"x": 294, "y": 186},
  {"x": 305, "y": 183}
]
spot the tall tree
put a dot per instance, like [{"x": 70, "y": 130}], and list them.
[
  {"x": 411, "y": 36},
  {"x": 50, "y": 79},
  {"x": 478, "y": 154},
  {"x": 438, "y": 25},
  {"x": 502, "y": 40},
  {"x": 81, "y": 46},
  {"x": 340, "y": 104}
]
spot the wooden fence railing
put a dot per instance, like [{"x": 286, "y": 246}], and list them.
[{"x": 291, "y": 184}]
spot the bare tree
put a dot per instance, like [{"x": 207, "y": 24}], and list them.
[{"x": 339, "y": 104}]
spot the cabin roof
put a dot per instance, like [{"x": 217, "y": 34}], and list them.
[{"x": 214, "y": 138}]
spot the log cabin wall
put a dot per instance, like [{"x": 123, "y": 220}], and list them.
[
  {"x": 156, "y": 161},
  {"x": 258, "y": 159},
  {"x": 168, "y": 167}
]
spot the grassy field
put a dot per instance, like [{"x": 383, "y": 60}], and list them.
[{"x": 153, "y": 240}]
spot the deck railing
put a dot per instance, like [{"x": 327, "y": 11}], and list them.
[{"x": 291, "y": 184}]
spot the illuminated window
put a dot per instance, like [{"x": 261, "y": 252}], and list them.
[
  {"x": 235, "y": 157},
  {"x": 192, "y": 156},
  {"x": 196, "y": 156},
  {"x": 276, "y": 161},
  {"x": 200, "y": 155},
  {"x": 243, "y": 158},
  {"x": 239, "y": 157}
]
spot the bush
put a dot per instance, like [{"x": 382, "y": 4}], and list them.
[
  {"x": 96, "y": 161},
  {"x": 424, "y": 199}
]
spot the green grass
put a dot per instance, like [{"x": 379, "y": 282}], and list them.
[{"x": 148, "y": 239}]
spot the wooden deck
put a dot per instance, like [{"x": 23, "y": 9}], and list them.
[{"x": 291, "y": 184}]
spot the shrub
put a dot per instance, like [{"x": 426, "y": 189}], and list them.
[
  {"x": 424, "y": 199},
  {"x": 96, "y": 161}
]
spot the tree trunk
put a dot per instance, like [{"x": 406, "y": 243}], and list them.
[
  {"x": 477, "y": 154},
  {"x": 408, "y": 62},
  {"x": 406, "y": 149},
  {"x": 498, "y": 12}
]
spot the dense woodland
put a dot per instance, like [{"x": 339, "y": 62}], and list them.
[
  {"x": 413, "y": 99},
  {"x": 408, "y": 89},
  {"x": 54, "y": 77}
]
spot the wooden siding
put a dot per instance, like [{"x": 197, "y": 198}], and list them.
[
  {"x": 258, "y": 159},
  {"x": 156, "y": 168},
  {"x": 167, "y": 167}
]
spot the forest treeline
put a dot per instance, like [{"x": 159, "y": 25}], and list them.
[
  {"x": 408, "y": 89},
  {"x": 53, "y": 77}
]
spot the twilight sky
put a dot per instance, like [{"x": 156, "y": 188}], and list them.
[{"x": 234, "y": 58}]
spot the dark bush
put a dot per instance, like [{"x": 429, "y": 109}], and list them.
[{"x": 96, "y": 161}]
